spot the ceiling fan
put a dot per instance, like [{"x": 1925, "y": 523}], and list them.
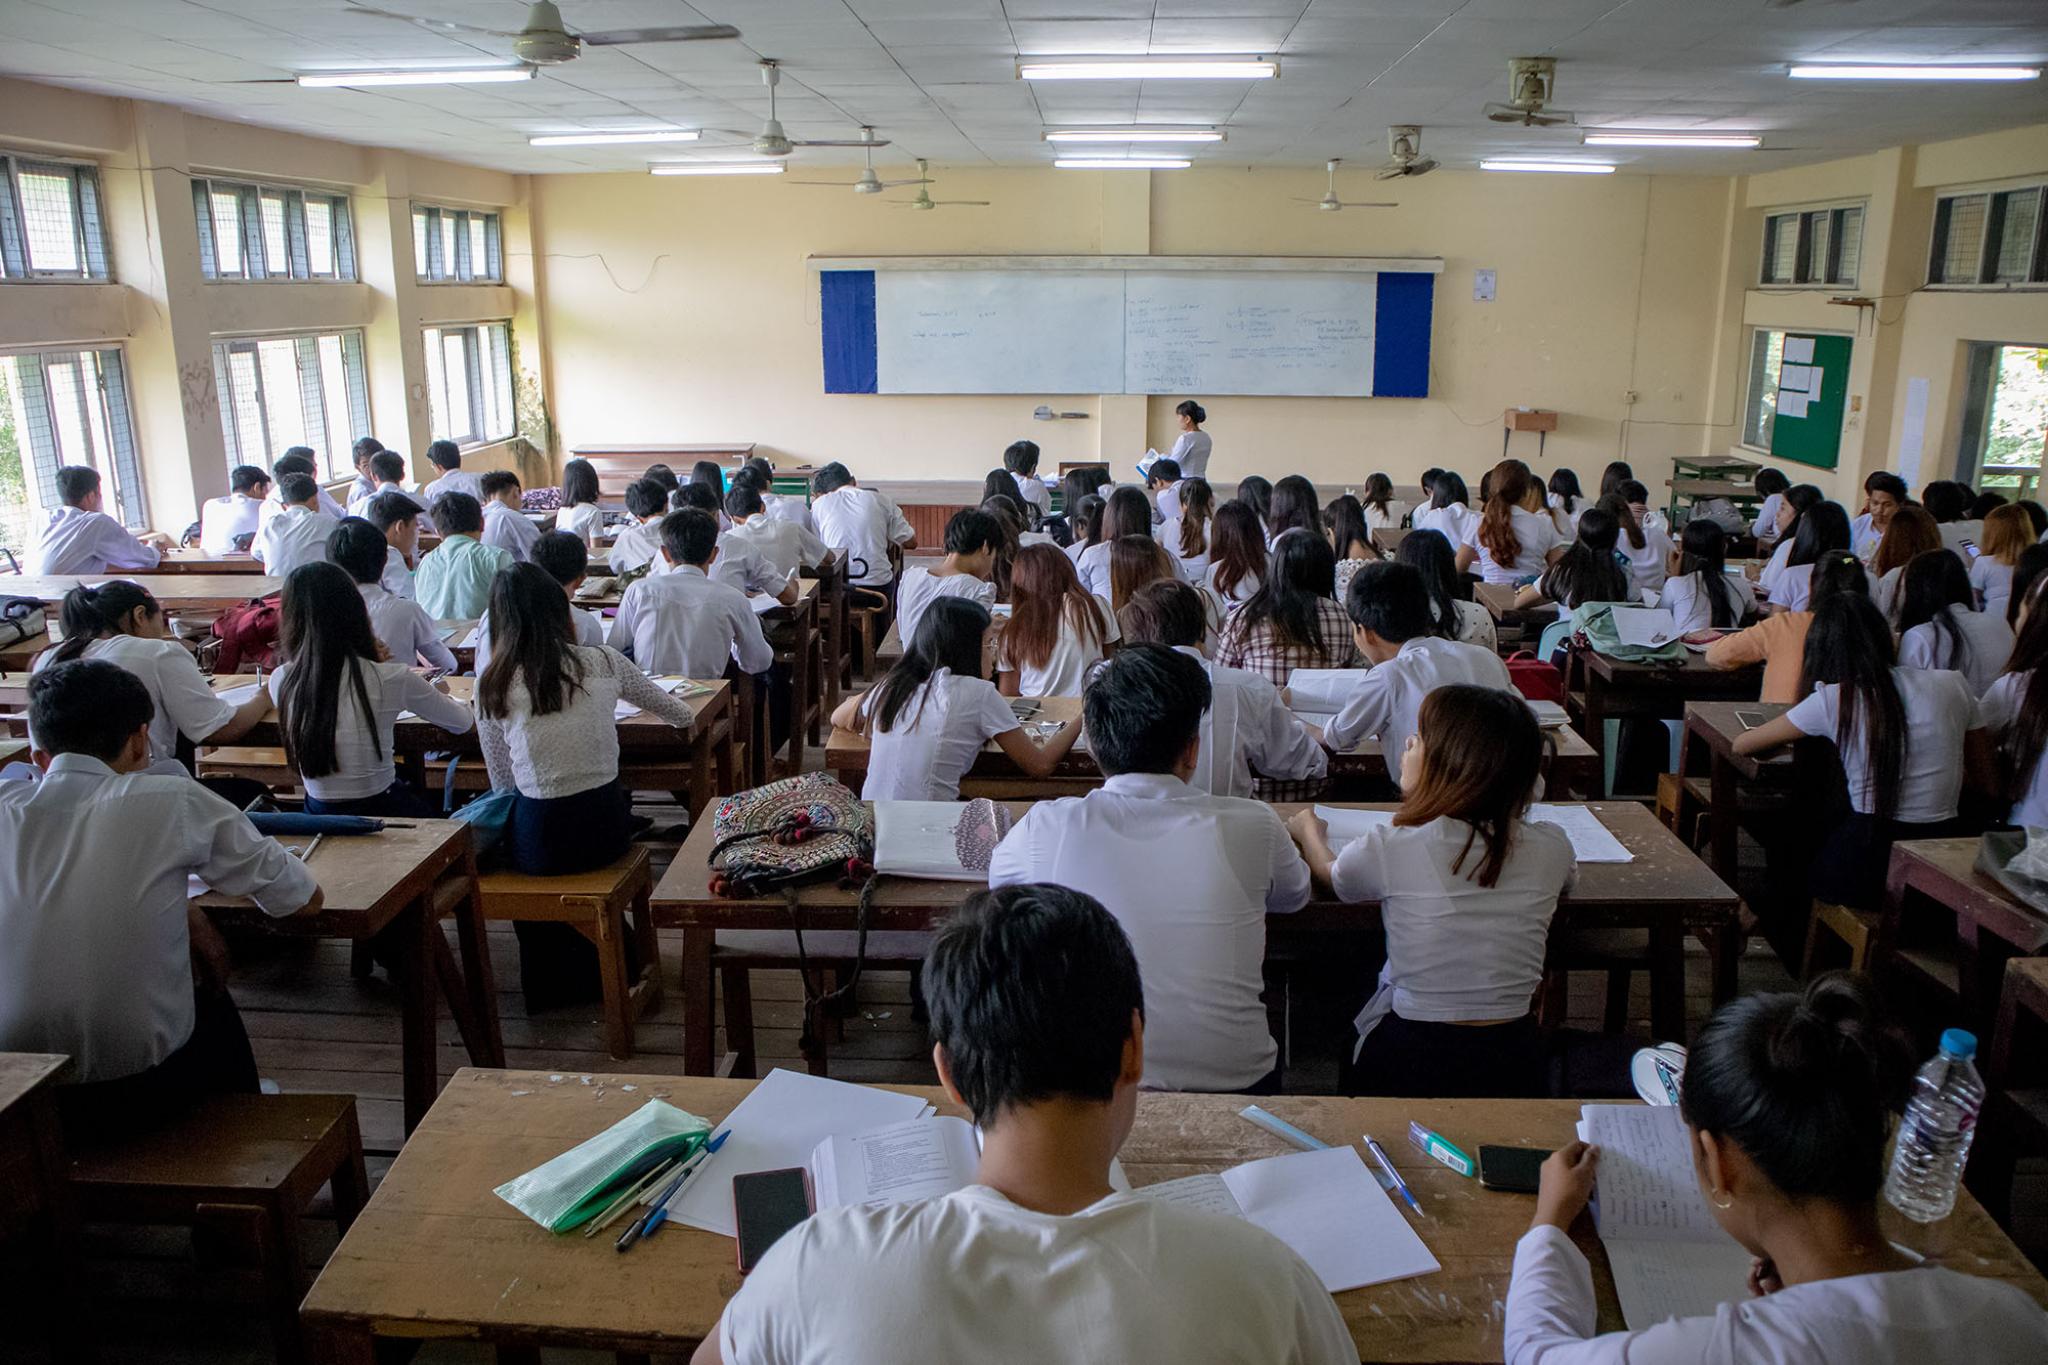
[
  {"x": 1330, "y": 203},
  {"x": 923, "y": 200},
  {"x": 867, "y": 182},
  {"x": 1532, "y": 84},
  {"x": 772, "y": 141},
  {"x": 545, "y": 42},
  {"x": 1404, "y": 143}
]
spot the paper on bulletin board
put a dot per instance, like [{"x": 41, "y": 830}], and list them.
[
  {"x": 1792, "y": 403},
  {"x": 1913, "y": 432},
  {"x": 1796, "y": 377},
  {"x": 1814, "y": 375},
  {"x": 1798, "y": 351}
]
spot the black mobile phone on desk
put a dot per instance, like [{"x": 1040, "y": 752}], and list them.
[
  {"x": 766, "y": 1204},
  {"x": 1515, "y": 1169}
]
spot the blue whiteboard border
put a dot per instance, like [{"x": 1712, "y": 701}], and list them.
[
  {"x": 1400, "y": 350},
  {"x": 846, "y": 308}
]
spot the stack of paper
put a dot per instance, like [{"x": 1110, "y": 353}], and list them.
[
  {"x": 1670, "y": 1258},
  {"x": 1321, "y": 692},
  {"x": 1650, "y": 626},
  {"x": 1549, "y": 714},
  {"x": 1592, "y": 842},
  {"x": 567, "y": 1192},
  {"x": 918, "y": 1159},
  {"x": 917, "y": 839}
]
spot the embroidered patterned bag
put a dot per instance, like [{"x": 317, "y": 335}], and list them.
[{"x": 796, "y": 830}]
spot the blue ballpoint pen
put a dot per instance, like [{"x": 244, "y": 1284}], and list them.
[
  {"x": 658, "y": 1215},
  {"x": 1400, "y": 1186}
]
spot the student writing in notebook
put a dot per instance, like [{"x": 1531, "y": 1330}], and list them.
[
  {"x": 297, "y": 535},
  {"x": 1057, "y": 631},
  {"x": 972, "y": 538},
  {"x": 1451, "y": 608},
  {"x": 638, "y": 543},
  {"x": 786, "y": 545},
  {"x": 1040, "y": 1028},
  {"x": 407, "y": 633},
  {"x": 1788, "y": 1102}
]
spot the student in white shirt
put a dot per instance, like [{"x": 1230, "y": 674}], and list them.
[
  {"x": 1247, "y": 728},
  {"x": 228, "y": 524},
  {"x": 738, "y": 562},
  {"x": 1191, "y": 877},
  {"x": 786, "y": 546},
  {"x": 1084, "y": 525},
  {"x": 1162, "y": 484},
  {"x": 2015, "y": 713},
  {"x": 120, "y": 623},
  {"x": 1902, "y": 734},
  {"x": 1449, "y": 512},
  {"x": 1770, "y": 485},
  {"x": 928, "y": 717},
  {"x": 298, "y": 535},
  {"x": 1948, "y": 502},
  {"x": 1454, "y": 617},
  {"x": 1821, "y": 529},
  {"x": 101, "y": 963},
  {"x": 638, "y": 543},
  {"x": 1700, "y": 593},
  {"x": 565, "y": 559},
  {"x": 1127, "y": 512},
  {"x": 860, "y": 524},
  {"x": 1191, "y": 449},
  {"x": 1353, "y": 541},
  {"x": 1909, "y": 534},
  {"x": 1187, "y": 537},
  {"x": 681, "y": 621},
  {"x": 1041, "y": 1028},
  {"x": 1383, "y": 511},
  {"x": 1939, "y": 628},
  {"x": 1788, "y": 1106},
  {"x": 1645, "y": 539},
  {"x": 365, "y": 482},
  {"x": 778, "y": 506},
  {"x": 388, "y": 468},
  {"x": 1566, "y": 499},
  {"x": 505, "y": 525},
  {"x": 1021, "y": 459},
  {"x": 1390, "y": 619},
  {"x": 581, "y": 515},
  {"x": 398, "y": 517},
  {"x": 1884, "y": 493},
  {"x": 1057, "y": 630},
  {"x": 1592, "y": 568},
  {"x": 339, "y": 695},
  {"x": 446, "y": 457},
  {"x": 1238, "y": 558},
  {"x": 1792, "y": 506},
  {"x": 299, "y": 460},
  {"x": 2008, "y": 531},
  {"x": 1468, "y": 886},
  {"x": 1294, "y": 506},
  {"x": 408, "y": 634},
  {"x": 1508, "y": 542},
  {"x": 81, "y": 538}
]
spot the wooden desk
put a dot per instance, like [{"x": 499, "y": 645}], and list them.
[
  {"x": 175, "y": 591},
  {"x": 1952, "y": 925},
  {"x": 793, "y": 632},
  {"x": 1666, "y": 891},
  {"x": 20, "y": 656},
  {"x": 201, "y": 562},
  {"x": 462, "y": 644},
  {"x": 35, "y": 1194},
  {"x": 408, "y": 875},
  {"x": 437, "y": 1256},
  {"x": 1711, "y": 729},
  {"x": 1599, "y": 689}
]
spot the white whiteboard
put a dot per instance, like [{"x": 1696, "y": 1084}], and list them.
[
  {"x": 1023, "y": 331},
  {"x": 1243, "y": 333}
]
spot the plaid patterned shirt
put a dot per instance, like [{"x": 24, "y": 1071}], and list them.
[{"x": 1255, "y": 649}]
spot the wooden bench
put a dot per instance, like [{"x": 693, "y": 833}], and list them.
[
  {"x": 259, "y": 763},
  {"x": 244, "y": 1166},
  {"x": 739, "y": 953},
  {"x": 595, "y": 904},
  {"x": 1855, "y": 930}
]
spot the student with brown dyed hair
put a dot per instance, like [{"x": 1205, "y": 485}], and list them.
[
  {"x": 1057, "y": 629},
  {"x": 1909, "y": 534},
  {"x": 1509, "y": 543},
  {"x": 1126, "y": 512},
  {"x": 1187, "y": 539},
  {"x": 1468, "y": 887},
  {"x": 1237, "y": 552},
  {"x": 1135, "y": 561},
  {"x": 2007, "y": 531}
]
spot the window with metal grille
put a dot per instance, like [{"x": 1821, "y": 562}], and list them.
[
  {"x": 57, "y": 408},
  {"x": 51, "y": 223},
  {"x": 1990, "y": 237},
  {"x": 469, "y": 383},
  {"x": 1813, "y": 246},
  {"x": 1760, "y": 403},
  {"x": 456, "y": 246},
  {"x": 307, "y": 389},
  {"x": 272, "y": 232}
]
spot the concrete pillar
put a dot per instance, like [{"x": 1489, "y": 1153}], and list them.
[
  {"x": 1126, "y": 231},
  {"x": 399, "y": 415}
]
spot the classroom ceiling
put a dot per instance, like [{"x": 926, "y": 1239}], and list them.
[{"x": 937, "y": 77}]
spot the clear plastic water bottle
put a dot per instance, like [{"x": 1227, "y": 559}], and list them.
[{"x": 1934, "y": 1136}]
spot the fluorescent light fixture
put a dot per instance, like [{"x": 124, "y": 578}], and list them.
[
  {"x": 1619, "y": 139},
  {"x": 1931, "y": 72},
  {"x": 595, "y": 139},
  {"x": 719, "y": 168},
  {"x": 460, "y": 75},
  {"x": 1553, "y": 167},
  {"x": 1134, "y": 135},
  {"x": 1148, "y": 69},
  {"x": 1122, "y": 163}
]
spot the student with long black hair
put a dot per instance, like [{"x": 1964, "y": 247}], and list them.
[
  {"x": 1238, "y": 560},
  {"x": 1788, "y": 1106},
  {"x": 1078, "y": 485},
  {"x": 339, "y": 693},
  {"x": 2032, "y": 562},
  {"x": 1701, "y": 593},
  {"x": 1187, "y": 537},
  {"x": 1291, "y": 622},
  {"x": 1084, "y": 525},
  {"x": 1617, "y": 473},
  {"x": 1256, "y": 492},
  {"x": 1383, "y": 511},
  {"x": 1448, "y": 512},
  {"x": 1565, "y": 498},
  {"x": 930, "y": 714},
  {"x": 1778, "y": 641},
  {"x": 1948, "y": 502},
  {"x": 1591, "y": 569},
  {"x": 1645, "y": 542},
  {"x": 1451, "y": 609},
  {"x": 2015, "y": 713},
  {"x": 1002, "y": 483},
  {"x": 1901, "y": 733},
  {"x": 1821, "y": 529},
  {"x": 1351, "y": 538},
  {"x": 581, "y": 515},
  {"x": 1791, "y": 507},
  {"x": 1128, "y": 512},
  {"x": 1938, "y": 627}
]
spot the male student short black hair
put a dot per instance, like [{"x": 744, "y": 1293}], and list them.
[
  {"x": 645, "y": 497},
  {"x": 689, "y": 536},
  {"x": 306, "y": 453},
  {"x": 445, "y": 455},
  {"x": 1144, "y": 708},
  {"x": 758, "y": 465},
  {"x": 291, "y": 462},
  {"x": 364, "y": 448},
  {"x": 1168, "y": 612},
  {"x": 664, "y": 476},
  {"x": 1033, "y": 992},
  {"x": 1021, "y": 457},
  {"x": 87, "y": 706},
  {"x": 76, "y": 483},
  {"x": 247, "y": 478},
  {"x": 498, "y": 481},
  {"x": 697, "y": 497},
  {"x": 743, "y": 499},
  {"x": 296, "y": 489},
  {"x": 1389, "y": 600},
  {"x": 971, "y": 530},
  {"x": 563, "y": 554},
  {"x": 389, "y": 509},
  {"x": 831, "y": 478},
  {"x": 387, "y": 466},
  {"x": 358, "y": 546},
  {"x": 458, "y": 514}
]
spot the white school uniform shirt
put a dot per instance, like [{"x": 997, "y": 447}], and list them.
[
  {"x": 786, "y": 546},
  {"x": 1691, "y": 608},
  {"x": 1647, "y": 565},
  {"x": 404, "y": 628},
  {"x": 1074, "y": 552},
  {"x": 1474, "y": 624},
  {"x": 1093, "y": 566},
  {"x": 862, "y": 524},
  {"x": 274, "y": 504},
  {"x": 1191, "y": 877},
  {"x": 1792, "y": 588},
  {"x": 1766, "y": 524},
  {"x": 362, "y": 745},
  {"x": 937, "y": 734},
  {"x": 1450, "y": 522},
  {"x": 1926, "y": 1316},
  {"x": 509, "y": 530},
  {"x": 1568, "y": 519},
  {"x": 1166, "y": 505},
  {"x": 972, "y": 1276},
  {"x": 93, "y": 904},
  {"x": 1940, "y": 709},
  {"x": 397, "y": 577},
  {"x": 297, "y": 536},
  {"x": 1194, "y": 568},
  {"x": 1535, "y": 537},
  {"x": 584, "y": 521},
  {"x": 1389, "y": 520},
  {"x": 1991, "y": 579},
  {"x": 681, "y": 622},
  {"x": 575, "y": 749},
  {"x": 183, "y": 702},
  {"x": 1073, "y": 657},
  {"x": 1457, "y": 952},
  {"x": 780, "y": 507},
  {"x": 1774, "y": 567},
  {"x": 360, "y": 507},
  {"x": 1191, "y": 450},
  {"x": 1247, "y": 726},
  {"x": 1986, "y": 645},
  {"x": 1885, "y": 592},
  {"x": 588, "y": 626},
  {"x": 2000, "y": 711},
  {"x": 454, "y": 481},
  {"x": 77, "y": 541},
  {"x": 921, "y": 587},
  {"x": 1033, "y": 490},
  {"x": 1388, "y": 698},
  {"x": 1241, "y": 591},
  {"x": 1962, "y": 537},
  {"x": 1864, "y": 537},
  {"x": 636, "y": 545},
  {"x": 222, "y": 519},
  {"x": 739, "y": 565}
]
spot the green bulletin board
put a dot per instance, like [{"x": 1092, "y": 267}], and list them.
[{"x": 1813, "y": 386}]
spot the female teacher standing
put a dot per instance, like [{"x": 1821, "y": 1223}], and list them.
[{"x": 1191, "y": 448}]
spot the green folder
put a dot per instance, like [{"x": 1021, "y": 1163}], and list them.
[{"x": 567, "y": 1192}]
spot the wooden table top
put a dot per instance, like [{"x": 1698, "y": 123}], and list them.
[
  {"x": 1716, "y": 723},
  {"x": 437, "y": 1254},
  {"x": 191, "y": 561},
  {"x": 21, "y": 655},
  {"x": 189, "y": 591},
  {"x": 1946, "y": 869},
  {"x": 23, "y": 1073},
  {"x": 365, "y": 878},
  {"x": 1692, "y": 674},
  {"x": 464, "y": 689}
]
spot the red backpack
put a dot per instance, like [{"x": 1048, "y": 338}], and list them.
[
  {"x": 1537, "y": 679},
  {"x": 248, "y": 634}
]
